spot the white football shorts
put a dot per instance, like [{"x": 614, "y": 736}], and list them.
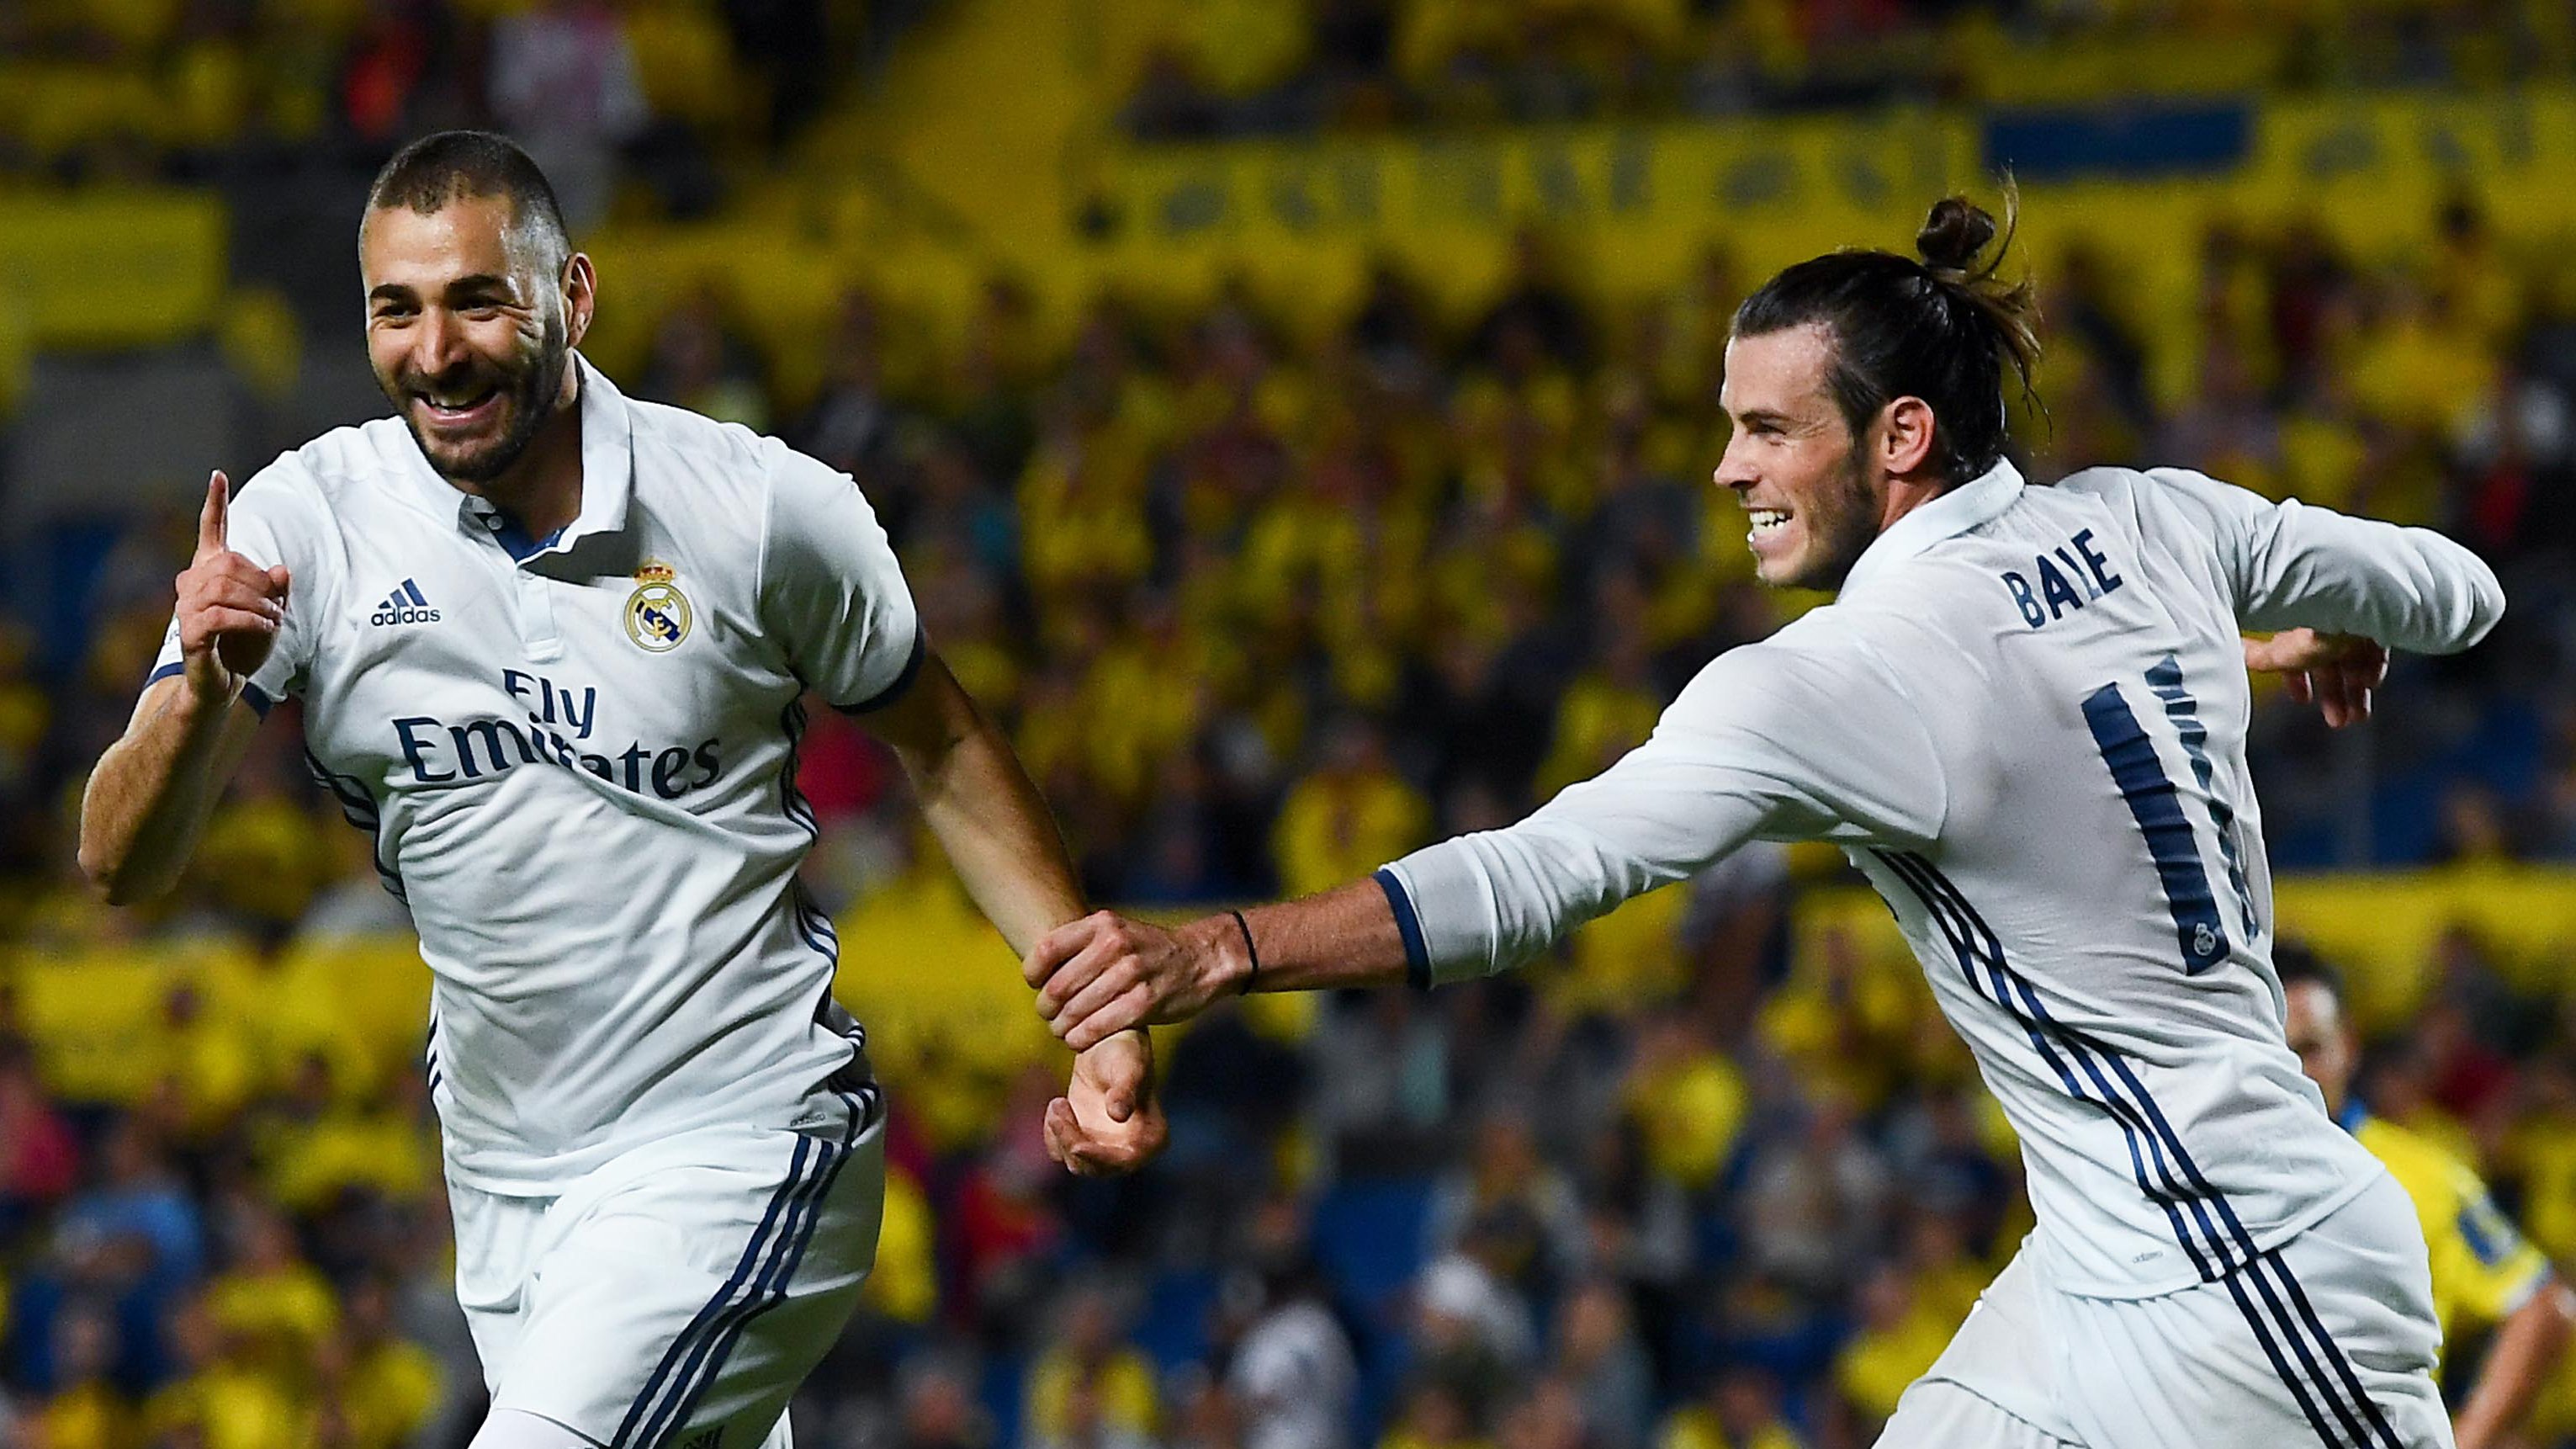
[
  {"x": 2328, "y": 1339},
  {"x": 678, "y": 1294}
]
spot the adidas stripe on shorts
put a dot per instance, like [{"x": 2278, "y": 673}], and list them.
[
  {"x": 2328, "y": 1339},
  {"x": 678, "y": 1294}
]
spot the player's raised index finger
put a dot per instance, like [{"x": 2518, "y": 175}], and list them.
[{"x": 211, "y": 519}]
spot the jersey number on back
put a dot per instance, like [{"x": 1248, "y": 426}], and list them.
[{"x": 2156, "y": 803}]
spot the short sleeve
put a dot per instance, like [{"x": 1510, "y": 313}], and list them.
[
  {"x": 830, "y": 586},
  {"x": 273, "y": 519}
]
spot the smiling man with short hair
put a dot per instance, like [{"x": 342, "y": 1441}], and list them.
[{"x": 552, "y": 646}]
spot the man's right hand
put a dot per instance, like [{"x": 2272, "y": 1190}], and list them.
[
  {"x": 1105, "y": 973},
  {"x": 230, "y": 609}
]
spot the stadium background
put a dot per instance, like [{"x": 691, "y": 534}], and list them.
[{"x": 1295, "y": 417}]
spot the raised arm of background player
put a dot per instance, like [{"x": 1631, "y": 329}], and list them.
[
  {"x": 147, "y": 801},
  {"x": 1766, "y": 742}
]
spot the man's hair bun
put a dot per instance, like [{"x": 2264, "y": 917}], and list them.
[{"x": 1953, "y": 234}]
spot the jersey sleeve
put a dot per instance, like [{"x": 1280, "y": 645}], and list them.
[
  {"x": 830, "y": 586},
  {"x": 273, "y": 519},
  {"x": 1768, "y": 742},
  {"x": 2498, "y": 1271},
  {"x": 2293, "y": 565}
]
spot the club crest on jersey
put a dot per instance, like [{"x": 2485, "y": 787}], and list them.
[{"x": 657, "y": 613}]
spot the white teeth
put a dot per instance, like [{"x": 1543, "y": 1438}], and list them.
[{"x": 1766, "y": 519}]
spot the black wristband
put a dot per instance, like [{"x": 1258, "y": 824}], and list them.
[{"x": 1250, "y": 950}]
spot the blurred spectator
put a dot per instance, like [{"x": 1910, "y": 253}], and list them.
[
  {"x": 39, "y": 1160},
  {"x": 1293, "y": 1380},
  {"x": 1086, "y": 1388},
  {"x": 564, "y": 85},
  {"x": 1598, "y": 1356}
]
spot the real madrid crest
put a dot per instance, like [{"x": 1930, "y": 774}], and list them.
[{"x": 657, "y": 613}]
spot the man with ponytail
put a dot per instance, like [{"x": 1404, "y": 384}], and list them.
[{"x": 2023, "y": 718}]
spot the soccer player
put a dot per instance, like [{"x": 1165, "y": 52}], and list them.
[
  {"x": 551, "y": 644},
  {"x": 2024, "y": 720},
  {"x": 2483, "y": 1272}
]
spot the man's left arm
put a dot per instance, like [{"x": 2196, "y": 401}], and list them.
[
  {"x": 831, "y": 586},
  {"x": 997, "y": 833}
]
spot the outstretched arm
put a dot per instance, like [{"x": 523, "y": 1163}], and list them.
[
  {"x": 148, "y": 800},
  {"x": 996, "y": 831},
  {"x": 1766, "y": 742}
]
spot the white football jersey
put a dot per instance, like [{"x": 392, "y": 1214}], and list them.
[
  {"x": 578, "y": 757},
  {"x": 2024, "y": 720}
]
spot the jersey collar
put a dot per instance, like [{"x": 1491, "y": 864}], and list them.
[
  {"x": 2353, "y": 1115},
  {"x": 1951, "y": 514},
  {"x": 607, "y": 469}
]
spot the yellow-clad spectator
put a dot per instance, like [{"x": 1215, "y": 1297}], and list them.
[
  {"x": 2541, "y": 1150},
  {"x": 1902, "y": 1332},
  {"x": 2484, "y": 1274},
  {"x": 1607, "y": 711},
  {"x": 86, "y": 1412},
  {"x": 223, "y": 1398},
  {"x": 1086, "y": 1368},
  {"x": 1741, "y": 1410},
  {"x": 1687, "y": 1100},
  {"x": 322, "y": 1143},
  {"x": 274, "y": 1305},
  {"x": 904, "y": 1285},
  {"x": 1352, "y": 815},
  {"x": 384, "y": 1385}
]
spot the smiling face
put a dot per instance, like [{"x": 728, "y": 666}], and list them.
[
  {"x": 470, "y": 328},
  {"x": 1804, "y": 480}
]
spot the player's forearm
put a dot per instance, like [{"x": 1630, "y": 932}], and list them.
[
  {"x": 1347, "y": 936},
  {"x": 148, "y": 799},
  {"x": 2527, "y": 1349},
  {"x": 997, "y": 832}
]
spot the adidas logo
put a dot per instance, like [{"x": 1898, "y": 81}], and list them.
[{"x": 404, "y": 605}]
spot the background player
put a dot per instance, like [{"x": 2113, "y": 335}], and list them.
[
  {"x": 2484, "y": 1274},
  {"x": 551, "y": 646},
  {"x": 2023, "y": 719}
]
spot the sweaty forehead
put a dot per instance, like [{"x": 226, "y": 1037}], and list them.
[
  {"x": 1779, "y": 372},
  {"x": 425, "y": 251}
]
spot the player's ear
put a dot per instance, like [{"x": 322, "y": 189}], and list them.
[
  {"x": 1905, "y": 436},
  {"x": 580, "y": 284}
]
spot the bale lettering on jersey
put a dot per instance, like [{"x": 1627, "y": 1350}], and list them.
[
  {"x": 2061, "y": 583},
  {"x": 441, "y": 753}
]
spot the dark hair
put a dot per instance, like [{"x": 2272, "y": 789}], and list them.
[
  {"x": 447, "y": 165},
  {"x": 1942, "y": 329},
  {"x": 2296, "y": 961}
]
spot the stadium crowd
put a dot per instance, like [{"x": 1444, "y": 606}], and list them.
[
  {"x": 1268, "y": 67},
  {"x": 1262, "y": 609},
  {"x": 1260, "y": 617}
]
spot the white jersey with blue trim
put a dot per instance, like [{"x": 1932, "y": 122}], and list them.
[
  {"x": 577, "y": 755},
  {"x": 2024, "y": 719}
]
